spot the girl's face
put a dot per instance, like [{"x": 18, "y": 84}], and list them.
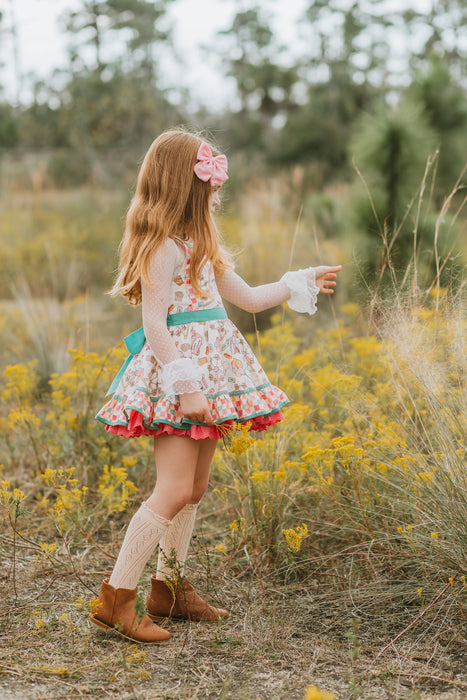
[{"x": 214, "y": 200}]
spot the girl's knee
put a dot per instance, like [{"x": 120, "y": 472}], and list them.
[
  {"x": 198, "y": 492},
  {"x": 170, "y": 500},
  {"x": 182, "y": 498}
]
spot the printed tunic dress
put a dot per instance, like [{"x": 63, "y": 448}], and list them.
[{"x": 228, "y": 373}]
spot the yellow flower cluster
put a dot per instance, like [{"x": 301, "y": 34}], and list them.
[
  {"x": 240, "y": 439},
  {"x": 115, "y": 488},
  {"x": 370, "y": 431},
  {"x": 315, "y": 693},
  {"x": 70, "y": 498},
  {"x": 47, "y": 549},
  {"x": 294, "y": 537},
  {"x": 136, "y": 656},
  {"x": 21, "y": 383},
  {"x": 10, "y": 496},
  {"x": 376, "y": 426}
]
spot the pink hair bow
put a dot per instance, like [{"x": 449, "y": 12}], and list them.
[{"x": 209, "y": 167}]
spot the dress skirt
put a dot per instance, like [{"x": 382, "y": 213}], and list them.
[{"x": 233, "y": 381}]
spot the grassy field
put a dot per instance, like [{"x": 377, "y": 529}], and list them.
[{"x": 337, "y": 540}]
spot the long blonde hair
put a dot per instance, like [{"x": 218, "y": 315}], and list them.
[{"x": 170, "y": 200}]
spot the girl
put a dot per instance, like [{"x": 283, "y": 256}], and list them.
[{"x": 190, "y": 374}]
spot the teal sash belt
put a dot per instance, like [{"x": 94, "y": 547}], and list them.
[{"x": 135, "y": 341}]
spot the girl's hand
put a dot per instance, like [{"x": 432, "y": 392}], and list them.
[
  {"x": 324, "y": 276},
  {"x": 195, "y": 407}
]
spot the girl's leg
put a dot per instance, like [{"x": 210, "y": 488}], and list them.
[
  {"x": 177, "y": 458},
  {"x": 176, "y": 465},
  {"x": 179, "y": 599},
  {"x": 177, "y": 537},
  {"x": 203, "y": 468},
  {"x": 144, "y": 532}
]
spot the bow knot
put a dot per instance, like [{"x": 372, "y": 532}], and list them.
[{"x": 209, "y": 167}]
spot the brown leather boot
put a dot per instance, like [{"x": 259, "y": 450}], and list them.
[
  {"x": 179, "y": 599},
  {"x": 116, "y": 612}
]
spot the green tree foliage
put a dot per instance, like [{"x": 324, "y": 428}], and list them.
[
  {"x": 443, "y": 25},
  {"x": 108, "y": 101},
  {"x": 133, "y": 25},
  {"x": 391, "y": 147},
  {"x": 264, "y": 85},
  {"x": 337, "y": 79},
  {"x": 317, "y": 132},
  {"x": 8, "y": 126},
  {"x": 444, "y": 102},
  {"x": 8, "y": 122}
]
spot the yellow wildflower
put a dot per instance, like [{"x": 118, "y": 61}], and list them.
[
  {"x": 129, "y": 462},
  {"x": 115, "y": 489},
  {"x": 294, "y": 537},
  {"x": 95, "y": 605},
  {"x": 222, "y": 494},
  {"x": 237, "y": 524},
  {"x": 136, "y": 656},
  {"x": 315, "y": 693},
  {"x": 241, "y": 439},
  {"x": 53, "y": 670},
  {"x": 260, "y": 477},
  {"x": 47, "y": 549}
]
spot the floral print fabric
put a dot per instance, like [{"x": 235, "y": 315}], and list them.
[{"x": 232, "y": 379}]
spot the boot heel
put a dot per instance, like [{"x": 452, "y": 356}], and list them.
[{"x": 157, "y": 618}]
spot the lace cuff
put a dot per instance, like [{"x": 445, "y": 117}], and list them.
[
  {"x": 303, "y": 290},
  {"x": 180, "y": 377}
]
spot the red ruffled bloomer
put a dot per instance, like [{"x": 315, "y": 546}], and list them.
[{"x": 136, "y": 428}]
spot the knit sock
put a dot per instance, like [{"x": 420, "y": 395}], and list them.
[
  {"x": 144, "y": 531},
  {"x": 176, "y": 537}
]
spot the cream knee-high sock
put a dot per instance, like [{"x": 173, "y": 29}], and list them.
[
  {"x": 177, "y": 537},
  {"x": 144, "y": 531}
]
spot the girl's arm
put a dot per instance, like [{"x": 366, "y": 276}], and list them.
[
  {"x": 299, "y": 288},
  {"x": 179, "y": 374}
]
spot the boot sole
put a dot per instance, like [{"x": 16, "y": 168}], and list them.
[
  {"x": 160, "y": 618},
  {"x": 107, "y": 628}
]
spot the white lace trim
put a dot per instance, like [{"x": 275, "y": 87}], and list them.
[
  {"x": 180, "y": 376},
  {"x": 303, "y": 290}
]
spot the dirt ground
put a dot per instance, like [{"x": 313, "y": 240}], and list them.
[{"x": 276, "y": 642}]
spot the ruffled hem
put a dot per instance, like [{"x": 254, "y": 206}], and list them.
[
  {"x": 140, "y": 414},
  {"x": 137, "y": 428}
]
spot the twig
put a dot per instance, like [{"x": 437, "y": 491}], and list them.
[
  {"x": 417, "y": 619},
  {"x": 421, "y": 675}
]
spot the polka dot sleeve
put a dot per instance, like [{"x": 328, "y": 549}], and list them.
[{"x": 179, "y": 374}]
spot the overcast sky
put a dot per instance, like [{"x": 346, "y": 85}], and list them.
[
  {"x": 195, "y": 22},
  {"x": 42, "y": 45}
]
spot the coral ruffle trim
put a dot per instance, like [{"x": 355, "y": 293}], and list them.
[{"x": 136, "y": 428}]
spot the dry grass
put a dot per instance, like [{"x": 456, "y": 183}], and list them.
[
  {"x": 372, "y": 605},
  {"x": 277, "y": 641}
]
